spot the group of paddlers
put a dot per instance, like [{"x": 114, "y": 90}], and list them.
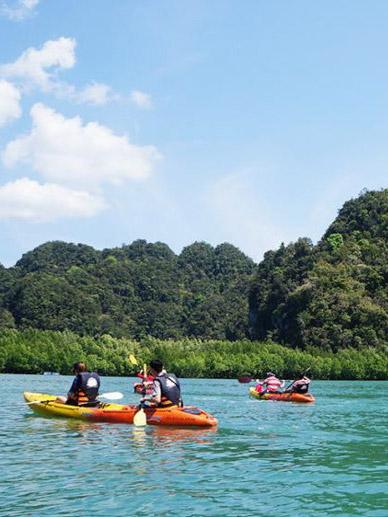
[
  {"x": 272, "y": 384},
  {"x": 163, "y": 388}
]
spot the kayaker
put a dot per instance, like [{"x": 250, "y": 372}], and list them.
[
  {"x": 166, "y": 390},
  {"x": 145, "y": 378},
  {"x": 271, "y": 384},
  {"x": 84, "y": 389},
  {"x": 300, "y": 385},
  {"x": 144, "y": 386}
]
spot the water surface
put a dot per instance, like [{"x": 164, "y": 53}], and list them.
[{"x": 329, "y": 458}]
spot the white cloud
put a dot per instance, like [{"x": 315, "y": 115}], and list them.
[
  {"x": 29, "y": 200},
  {"x": 9, "y": 102},
  {"x": 18, "y": 10},
  {"x": 66, "y": 151},
  {"x": 29, "y": 4},
  {"x": 38, "y": 67},
  {"x": 141, "y": 99},
  {"x": 95, "y": 93}
]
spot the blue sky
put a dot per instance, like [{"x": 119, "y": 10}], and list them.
[{"x": 175, "y": 121}]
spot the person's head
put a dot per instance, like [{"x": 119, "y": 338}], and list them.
[
  {"x": 79, "y": 368},
  {"x": 156, "y": 366},
  {"x": 270, "y": 374}
]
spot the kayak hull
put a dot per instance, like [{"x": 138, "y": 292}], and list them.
[
  {"x": 283, "y": 397},
  {"x": 187, "y": 416}
]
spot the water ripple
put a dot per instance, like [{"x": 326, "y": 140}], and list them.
[{"x": 322, "y": 459}]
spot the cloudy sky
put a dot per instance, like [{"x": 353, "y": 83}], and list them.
[{"x": 247, "y": 122}]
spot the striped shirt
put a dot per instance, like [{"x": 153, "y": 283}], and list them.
[{"x": 272, "y": 383}]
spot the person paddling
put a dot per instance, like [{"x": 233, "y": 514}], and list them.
[
  {"x": 166, "y": 390},
  {"x": 84, "y": 389},
  {"x": 271, "y": 384},
  {"x": 300, "y": 385},
  {"x": 146, "y": 382}
]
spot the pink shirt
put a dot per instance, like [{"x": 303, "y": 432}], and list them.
[{"x": 272, "y": 383}]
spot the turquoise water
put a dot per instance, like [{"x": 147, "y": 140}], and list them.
[{"x": 329, "y": 458}]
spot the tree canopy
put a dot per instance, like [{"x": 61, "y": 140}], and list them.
[{"x": 332, "y": 295}]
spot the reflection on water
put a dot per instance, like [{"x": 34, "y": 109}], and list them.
[
  {"x": 169, "y": 436},
  {"x": 138, "y": 435}
]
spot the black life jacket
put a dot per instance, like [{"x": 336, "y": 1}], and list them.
[
  {"x": 170, "y": 390},
  {"x": 89, "y": 384}
]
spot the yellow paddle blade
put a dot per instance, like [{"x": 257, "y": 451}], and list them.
[
  {"x": 140, "y": 418},
  {"x": 133, "y": 359}
]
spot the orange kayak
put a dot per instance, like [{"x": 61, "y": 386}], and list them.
[
  {"x": 186, "y": 416},
  {"x": 284, "y": 397}
]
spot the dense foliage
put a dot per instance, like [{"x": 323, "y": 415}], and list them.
[
  {"x": 35, "y": 351},
  {"x": 138, "y": 290},
  {"x": 332, "y": 296}
]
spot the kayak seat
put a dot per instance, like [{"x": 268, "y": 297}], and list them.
[{"x": 192, "y": 410}]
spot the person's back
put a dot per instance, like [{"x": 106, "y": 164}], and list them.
[
  {"x": 85, "y": 387},
  {"x": 166, "y": 387},
  {"x": 300, "y": 385},
  {"x": 271, "y": 383}
]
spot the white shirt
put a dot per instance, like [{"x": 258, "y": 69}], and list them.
[{"x": 156, "y": 395}]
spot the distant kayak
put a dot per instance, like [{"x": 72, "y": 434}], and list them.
[
  {"x": 283, "y": 397},
  {"x": 186, "y": 416},
  {"x": 244, "y": 379}
]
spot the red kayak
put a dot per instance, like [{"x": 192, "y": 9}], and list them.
[{"x": 245, "y": 379}]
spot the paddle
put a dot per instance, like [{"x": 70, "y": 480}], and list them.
[
  {"x": 113, "y": 395},
  {"x": 140, "y": 418},
  {"x": 133, "y": 360}
]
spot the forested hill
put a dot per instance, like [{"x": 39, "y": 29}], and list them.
[
  {"x": 331, "y": 295},
  {"x": 137, "y": 290}
]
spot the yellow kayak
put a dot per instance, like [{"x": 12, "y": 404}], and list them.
[{"x": 189, "y": 416}]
